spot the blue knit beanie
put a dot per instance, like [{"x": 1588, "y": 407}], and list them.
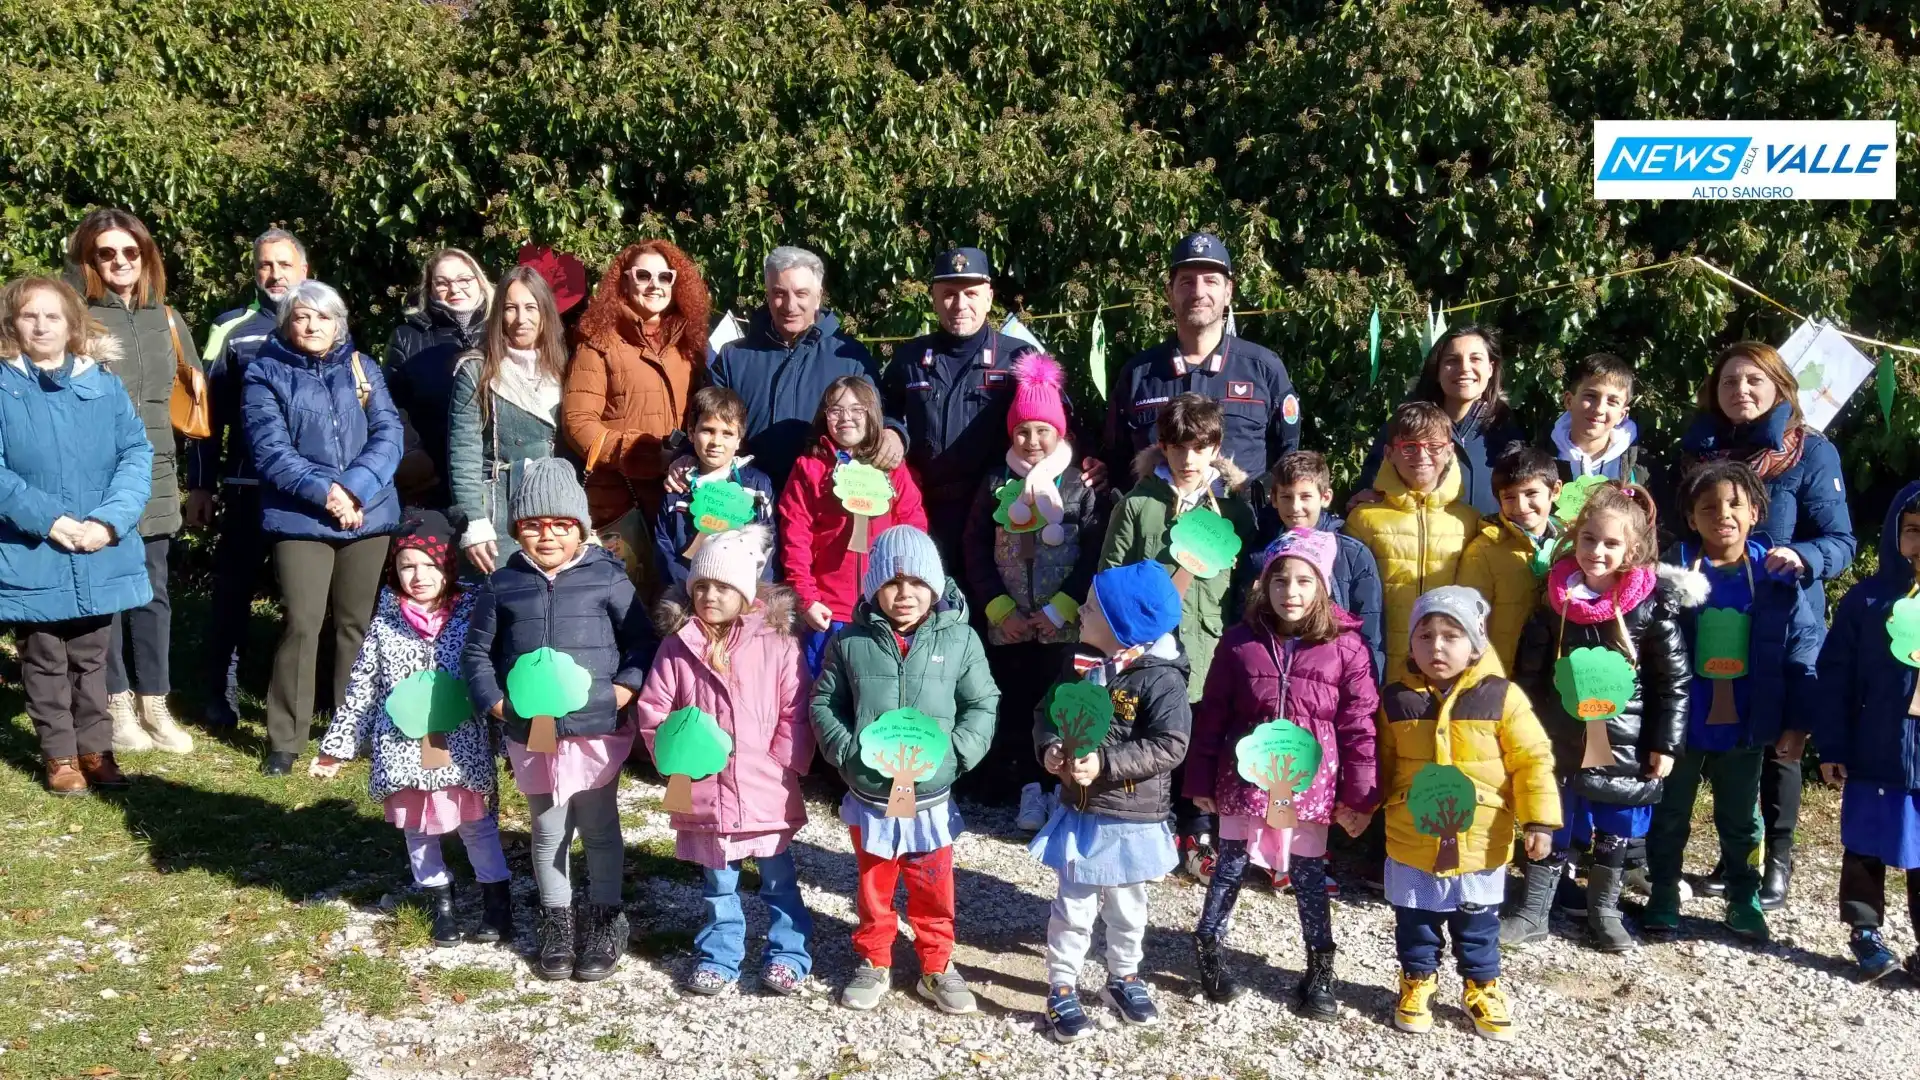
[
  {"x": 903, "y": 551},
  {"x": 1139, "y": 601}
]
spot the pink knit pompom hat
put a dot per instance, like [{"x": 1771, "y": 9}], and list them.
[{"x": 1037, "y": 396}]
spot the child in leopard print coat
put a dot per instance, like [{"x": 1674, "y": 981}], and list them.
[{"x": 420, "y": 625}]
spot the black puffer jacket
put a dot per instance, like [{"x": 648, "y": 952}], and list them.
[
  {"x": 1655, "y": 719},
  {"x": 419, "y": 366},
  {"x": 1152, "y": 721},
  {"x": 586, "y": 611}
]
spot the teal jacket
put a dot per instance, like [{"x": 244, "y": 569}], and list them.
[
  {"x": 484, "y": 454},
  {"x": 944, "y": 675}
]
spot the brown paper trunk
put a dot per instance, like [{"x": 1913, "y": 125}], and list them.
[
  {"x": 858, "y": 541},
  {"x": 1447, "y": 859},
  {"x": 433, "y": 752},
  {"x": 542, "y": 736},
  {"x": 698, "y": 542},
  {"x": 679, "y": 798},
  {"x": 1182, "y": 580},
  {"x": 1724, "y": 711},
  {"x": 1280, "y": 813},
  {"x": 900, "y": 798},
  {"x": 1599, "y": 753}
]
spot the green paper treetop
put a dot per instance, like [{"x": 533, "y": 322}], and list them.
[
  {"x": 1594, "y": 683},
  {"x": 720, "y": 505},
  {"x": 1203, "y": 543},
  {"x": 429, "y": 702},
  {"x": 1574, "y": 495},
  {"x": 547, "y": 682},
  {"x": 1279, "y": 756},
  {"x": 1442, "y": 801},
  {"x": 1903, "y": 631},
  {"x": 1083, "y": 715},
  {"x": 904, "y": 742},
  {"x": 691, "y": 743},
  {"x": 1720, "y": 641},
  {"x": 862, "y": 489},
  {"x": 1005, "y": 496}
]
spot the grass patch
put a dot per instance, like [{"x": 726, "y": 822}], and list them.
[
  {"x": 522, "y": 1001},
  {"x": 374, "y": 985},
  {"x": 469, "y": 980},
  {"x": 612, "y": 1042}
]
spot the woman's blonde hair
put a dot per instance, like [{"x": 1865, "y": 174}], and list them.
[
  {"x": 80, "y": 325},
  {"x": 433, "y": 262}
]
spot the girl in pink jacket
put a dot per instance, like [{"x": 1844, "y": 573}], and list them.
[
  {"x": 725, "y": 706},
  {"x": 1296, "y": 657}
]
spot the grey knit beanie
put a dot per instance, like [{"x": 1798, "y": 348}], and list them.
[
  {"x": 1459, "y": 603},
  {"x": 904, "y": 551},
  {"x": 549, "y": 488}
]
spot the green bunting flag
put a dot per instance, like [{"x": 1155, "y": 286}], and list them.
[
  {"x": 1885, "y": 384},
  {"x": 1373, "y": 347},
  {"x": 1097, "y": 355}
]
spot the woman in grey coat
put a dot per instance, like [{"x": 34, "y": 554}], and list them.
[{"x": 505, "y": 408}]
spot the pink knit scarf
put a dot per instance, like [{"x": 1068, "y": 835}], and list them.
[{"x": 1634, "y": 586}]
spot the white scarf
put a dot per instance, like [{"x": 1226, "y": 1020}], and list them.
[
  {"x": 1042, "y": 491},
  {"x": 1185, "y": 501},
  {"x": 521, "y": 381}
]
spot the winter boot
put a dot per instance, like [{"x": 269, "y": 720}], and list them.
[
  {"x": 556, "y": 942},
  {"x": 1778, "y": 874},
  {"x": 1603, "y": 907},
  {"x": 1527, "y": 920},
  {"x": 128, "y": 735},
  {"x": 603, "y": 937},
  {"x": 157, "y": 719},
  {"x": 1215, "y": 983},
  {"x": 1313, "y": 998},
  {"x": 1662, "y": 917},
  {"x": 446, "y": 928},
  {"x": 496, "y": 913}
]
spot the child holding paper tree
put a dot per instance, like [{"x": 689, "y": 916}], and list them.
[
  {"x": 1112, "y": 730},
  {"x": 432, "y": 753},
  {"x": 1606, "y": 666},
  {"x": 735, "y": 493},
  {"x": 724, "y": 714},
  {"x": 1283, "y": 746},
  {"x": 558, "y": 648},
  {"x": 1466, "y": 762},
  {"x": 904, "y": 704},
  {"x": 1755, "y": 637},
  {"x": 835, "y": 504}
]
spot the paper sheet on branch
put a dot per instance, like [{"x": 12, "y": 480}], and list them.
[
  {"x": 728, "y": 329},
  {"x": 1828, "y": 367}
]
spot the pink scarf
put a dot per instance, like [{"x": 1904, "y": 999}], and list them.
[
  {"x": 429, "y": 621},
  {"x": 1634, "y": 586}
]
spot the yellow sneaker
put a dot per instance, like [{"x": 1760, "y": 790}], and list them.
[
  {"x": 1415, "y": 1011},
  {"x": 1486, "y": 1003}
]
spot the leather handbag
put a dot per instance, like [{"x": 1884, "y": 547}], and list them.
[{"x": 188, "y": 406}]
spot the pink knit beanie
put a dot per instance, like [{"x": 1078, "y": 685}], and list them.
[{"x": 1037, "y": 396}]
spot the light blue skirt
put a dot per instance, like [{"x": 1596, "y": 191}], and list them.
[
  {"x": 933, "y": 828},
  {"x": 1411, "y": 887},
  {"x": 1093, "y": 849}
]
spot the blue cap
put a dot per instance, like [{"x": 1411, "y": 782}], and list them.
[
  {"x": 903, "y": 551},
  {"x": 962, "y": 264},
  {"x": 1139, "y": 601},
  {"x": 1202, "y": 249}
]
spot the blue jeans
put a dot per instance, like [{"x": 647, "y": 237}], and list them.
[
  {"x": 722, "y": 942},
  {"x": 1418, "y": 937}
]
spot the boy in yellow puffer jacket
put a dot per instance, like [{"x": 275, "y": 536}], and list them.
[
  {"x": 1417, "y": 523},
  {"x": 1507, "y": 560},
  {"x": 1463, "y": 759}
]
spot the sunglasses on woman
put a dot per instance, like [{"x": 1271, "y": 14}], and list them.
[
  {"x": 643, "y": 276},
  {"x": 125, "y": 254}
]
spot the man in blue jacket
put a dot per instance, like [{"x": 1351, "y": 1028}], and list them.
[
  {"x": 220, "y": 463},
  {"x": 791, "y": 353},
  {"x": 1249, "y": 381}
]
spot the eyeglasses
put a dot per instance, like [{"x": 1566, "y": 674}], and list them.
[
  {"x": 642, "y": 276},
  {"x": 449, "y": 284},
  {"x": 125, "y": 254},
  {"x": 548, "y": 526},
  {"x": 846, "y": 412},
  {"x": 1413, "y": 449}
]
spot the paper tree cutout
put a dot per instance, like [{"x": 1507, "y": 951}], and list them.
[
  {"x": 544, "y": 685},
  {"x": 1202, "y": 543},
  {"x": 1442, "y": 801},
  {"x": 1595, "y": 684},
  {"x": 426, "y": 706},
  {"x": 1281, "y": 758},
  {"x": 1083, "y": 715},
  {"x": 1574, "y": 495},
  {"x": 865, "y": 492},
  {"x": 689, "y": 745},
  {"x": 1903, "y": 631},
  {"x": 1011, "y": 502},
  {"x": 905, "y": 746},
  {"x": 720, "y": 505},
  {"x": 1720, "y": 642}
]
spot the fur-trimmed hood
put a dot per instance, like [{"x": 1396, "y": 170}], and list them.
[
  {"x": 1232, "y": 476},
  {"x": 773, "y": 604}
]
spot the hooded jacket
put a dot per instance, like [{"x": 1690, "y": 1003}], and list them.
[
  {"x": 421, "y": 359},
  {"x": 145, "y": 365},
  {"x": 1011, "y": 574},
  {"x": 1416, "y": 539},
  {"x": 1867, "y": 693},
  {"x": 1140, "y": 528},
  {"x": 1147, "y": 741},
  {"x": 1498, "y": 561},
  {"x": 1477, "y": 440},
  {"x": 70, "y": 445},
  {"x": 1327, "y": 689},
  {"x": 1655, "y": 717},
  {"x": 624, "y": 397},
  {"x": 782, "y": 385},
  {"x": 1806, "y": 502},
  {"x": 760, "y": 701},
  {"x": 307, "y": 431},
  {"x": 943, "y": 674},
  {"x": 1484, "y": 727},
  {"x": 1619, "y": 461},
  {"x": 815, "y": 530}
]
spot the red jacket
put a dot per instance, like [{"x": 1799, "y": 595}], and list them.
[{"x": 815, "y": 528}]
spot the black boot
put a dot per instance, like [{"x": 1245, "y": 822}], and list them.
[
  {"x": 1603, "y": 908},
  {"x": 446, "y": 928},
  {"x": 1215, "y": 983},
  {"x": 1527, "y": 919},
  {"x": 1714, "y": 884},
  {"x": 496, "y": 912},
  {"x": 1313, "y": 998},
  {"x": 556, "y": 943},
  {"x": 1778, "y": 874},
  {"x": 603, "y": 937}
]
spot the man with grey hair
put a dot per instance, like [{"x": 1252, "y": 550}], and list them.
[
  {"x": 792, "y": 350},
  {"x": 219, "y": 464}
]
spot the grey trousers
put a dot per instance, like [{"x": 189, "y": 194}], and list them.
[
  {"x": 318, "y": 577},
  {"x": 595, "y": 815},
  {"x": 63, "y": 667}
]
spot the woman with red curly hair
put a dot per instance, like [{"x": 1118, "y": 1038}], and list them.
[{"x": 642, "y": 354}]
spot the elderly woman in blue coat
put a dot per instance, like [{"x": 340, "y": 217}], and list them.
[
  {"x": 325, "y": 440},
  {"x": 75, "y": 473}
]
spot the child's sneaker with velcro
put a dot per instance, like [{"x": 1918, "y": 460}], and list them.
[
  {"x": 1870, "y": 952},
  {"x": 1130, "y": 997},
  {"x": 1066, "y": 1020}
]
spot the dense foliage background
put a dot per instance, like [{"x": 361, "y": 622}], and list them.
[{"x": 1357, "y": 153}]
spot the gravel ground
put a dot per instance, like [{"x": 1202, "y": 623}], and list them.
[{"x": 1706, "y": 1006}]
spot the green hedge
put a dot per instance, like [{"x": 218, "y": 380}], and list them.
[{"x": 1353, "y": 154}]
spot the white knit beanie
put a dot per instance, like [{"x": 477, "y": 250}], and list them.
[{"x": 734, "y": 557}]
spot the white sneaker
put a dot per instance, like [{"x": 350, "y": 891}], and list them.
[
  {"x": 158, "y": 720},
  {"x": 128, "y": 735},
  {"x": 1033, "y": 809}
]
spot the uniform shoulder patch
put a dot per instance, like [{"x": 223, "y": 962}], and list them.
[{"x": 1290, "y": 409}]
